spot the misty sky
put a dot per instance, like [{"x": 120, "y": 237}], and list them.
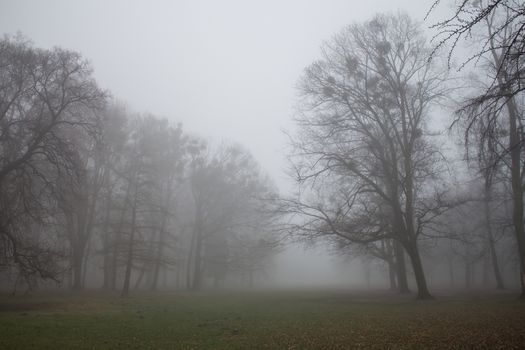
[{"x": 225, "y": 69}]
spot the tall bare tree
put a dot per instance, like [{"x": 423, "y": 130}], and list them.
[
  {"x": 362, "y": 128},
  {"x": 46, "y": 97},
  {"x": 495, "y": 113}
]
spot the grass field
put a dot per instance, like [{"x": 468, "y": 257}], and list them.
[{"x": 261, "y": 320}]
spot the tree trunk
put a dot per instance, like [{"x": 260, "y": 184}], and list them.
[
  {"x": 87, "y": 253},
  {"x": 401, "y": 270},
  {"x": 106, "y": 243},
  {"x": 162, "y": 235},
  {"x": 85, "y": 214},
  {"x": 422, "y": 289},
  {"x": 189, "y": 262},
  {"x": 515, "y": 149},
  {"x": 197, "y": 268},
  {"x": 129, "y": 262},
  {"x": 490, "y": 237},
  {"x": 160, "y": 250},
  {"x": 77, "y": 269},
  {"x": 392, "y": 275},
  {"x": 141, "y": 276},
  {"x": 495, "y": 266},
  {"x": 517, "y": 189},
  {"x": 79, "y": 243},
  {"x": 116, "y": 241}
]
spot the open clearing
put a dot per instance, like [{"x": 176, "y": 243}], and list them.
[{"x": 261, "y": 320}]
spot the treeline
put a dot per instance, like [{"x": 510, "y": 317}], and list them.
[
  {"x": 92, "y": 195},
  {"x": 372, "y": 176}
]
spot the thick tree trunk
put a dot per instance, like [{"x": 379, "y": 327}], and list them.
[
  {"x": 77, "y": 269},
  {"x": 490, "y": 237},
  {"x": 495, "y": 266},
  {"x": 517, "y": 188},
  {"x": 401, "y": 270},
  {"x": 492, "y": 249},
  {"x": 419, "y": 274},
  {"x": 515, "y": 149},
  {"x": 392, "y": 275}
]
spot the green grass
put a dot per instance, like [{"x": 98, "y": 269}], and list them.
[{"x": 265, "y": 320}]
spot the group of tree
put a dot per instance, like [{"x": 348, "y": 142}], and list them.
[
  {"x": 372, "y": 174},
  {"x": 89, "y": 189}
]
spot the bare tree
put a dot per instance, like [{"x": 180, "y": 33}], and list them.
[
  {"x": 46, "y": 96},
  {"x": 470, "y": 16},
  {"x": 362, "y": 121},
  {"x": 227, "y": 189},
  {"x": 494, "y": 117}
]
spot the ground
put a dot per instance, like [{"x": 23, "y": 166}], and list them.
[{"x": 262, "y": 320}]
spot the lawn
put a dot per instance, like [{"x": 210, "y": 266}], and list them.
[{"x": 261, "y": 320}]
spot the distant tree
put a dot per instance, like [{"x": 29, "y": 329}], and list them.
[
  {"x": 493, "y": 116},
  {"x": 115, "y": 137},
  {"x": 46, "y": 97},
  {"x": 227, "y": 189},
  {"x": 485, "y": 162},
  {"x": 153, "y": 161},
  {"x": 171, "y": 158},
  {"x": 362, "y": 130},
  {"x": 86, "y": 185}
]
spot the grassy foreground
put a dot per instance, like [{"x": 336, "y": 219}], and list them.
[{"x": 263, "y": 320}]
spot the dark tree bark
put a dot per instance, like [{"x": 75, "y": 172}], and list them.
[
  {"x": 401, "y": 268},
  {"x": 422, "y": 290},
  {"x": 392, "y": 276},
  {"x": 490, "y": 238}
]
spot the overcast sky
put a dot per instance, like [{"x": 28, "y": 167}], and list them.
[{"x": 225, "y": 69}]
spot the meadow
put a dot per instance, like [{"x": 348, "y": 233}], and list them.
[{"x": 290, "y": 319}]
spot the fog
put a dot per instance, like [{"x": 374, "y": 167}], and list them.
[
  {"x": 227, "y": 70},
  {"x": 262, "y": 174},
  {"x": 272, "y": 174}
]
